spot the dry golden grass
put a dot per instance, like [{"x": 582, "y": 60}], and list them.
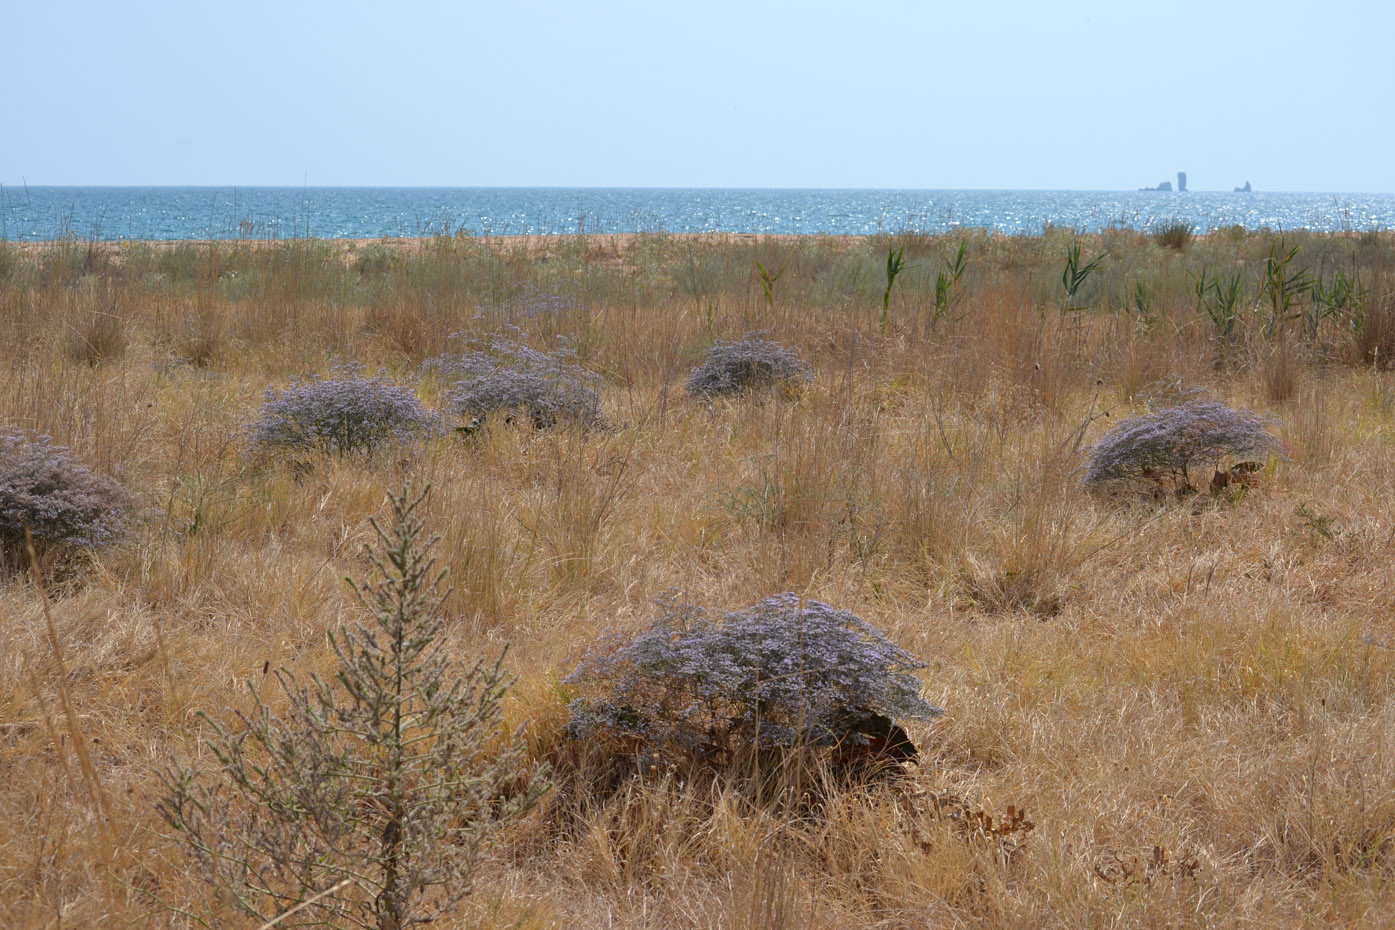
[{"x": 1190, "y": 701}]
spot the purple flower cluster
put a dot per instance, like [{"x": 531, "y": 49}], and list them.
[
  {"x": 509, "y": 377},
  {"x": 60, "y": 501},
  {"x": 775, "y": 675},
  {"x": 746, "y": 364},
  {"x": 535, "y": 304},
  {"x": 1171, "y": 441},
  {"x": 344, "y": 414}
]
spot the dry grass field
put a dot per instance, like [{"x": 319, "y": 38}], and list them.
[{"x": 1162, "y": 711}]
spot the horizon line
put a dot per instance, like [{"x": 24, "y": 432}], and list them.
[{"x": 695, "y": 187}]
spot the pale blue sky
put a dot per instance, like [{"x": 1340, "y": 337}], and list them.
[{"x": 722, "y": 93}]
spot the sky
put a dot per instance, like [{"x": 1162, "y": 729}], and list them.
[{"x": 994, "y": 94}]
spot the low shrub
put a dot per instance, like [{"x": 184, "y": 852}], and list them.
[
  {"x": 65, "y": 506},
  {"x": 346, "y": 413},
  {"x": 507, "y": 377},
  {"x": 1173, "y": 234},
  {"x": 693, "y": 691},
  {"x": 1167, "y": 444},
  {"x": 747, "y": 364},
  {"x": 95, "y": 329},
  {"x": 377, "y": 260}
]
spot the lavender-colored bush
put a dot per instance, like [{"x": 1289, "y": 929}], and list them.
[
  {"x": 1170, "y": 442},
  {"x": 777, "y": 675},
  {"x": 746, "y": 364},
  {"x": 63, "y": 504},
  {"x": 346, "y": 413},
  {"x": 510, "y": 378}
]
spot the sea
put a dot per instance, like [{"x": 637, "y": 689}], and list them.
[{"x": 32, "y": 213}]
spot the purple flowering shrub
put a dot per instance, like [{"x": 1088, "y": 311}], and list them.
[
  {"x": 510, "y": 378},
  {"x": 778, "y": 675},
  {"x": 747, "y": 364},
  {"x": 1170, "y": 442},
  {"x": 346, "y": 413},
  {"x": 63, "y": 504}
]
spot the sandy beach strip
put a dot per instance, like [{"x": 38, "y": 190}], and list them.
[{"x": 611, "y": 244}]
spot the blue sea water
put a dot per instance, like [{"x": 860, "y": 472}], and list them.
[{"x": 40, "y": 213}]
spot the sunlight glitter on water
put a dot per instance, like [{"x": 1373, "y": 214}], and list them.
[{"x": 39, "y": 213}]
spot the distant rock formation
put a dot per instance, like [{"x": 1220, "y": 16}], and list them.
[
  {"x": 1244, "y": 190},
  {"x": 1167, "y": 185}
]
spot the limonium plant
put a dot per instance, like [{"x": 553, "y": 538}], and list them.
[
  {"x": 345, "y": 413},
  {"x": 780, "y": 674},
  {"x": 507, "y": 377},
  {"x": 62, "y": 503},
  {"x": 1171, "y": 442},
  {"x": 747, "y": 364}
]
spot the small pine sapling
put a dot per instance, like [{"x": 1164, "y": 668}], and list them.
[{"x": 368, "y": 803}]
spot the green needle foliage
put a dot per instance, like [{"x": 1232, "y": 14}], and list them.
[{"x": 368, "y": 803}]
